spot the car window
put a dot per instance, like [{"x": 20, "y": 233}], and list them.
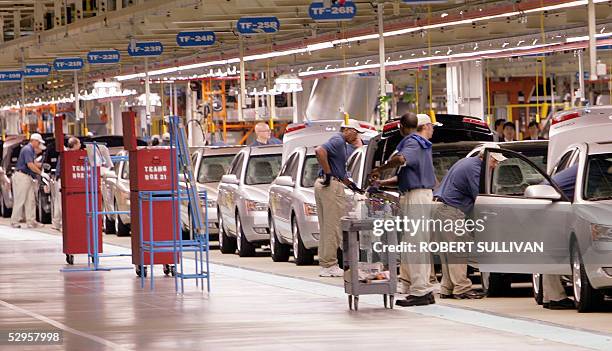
[
  {"x": 287, "y": 167},
  {"x": 598, "y": 183},
  {"x": 194, "y": 159},
  {"x": 236, "y": 168},
  {"x": 262, "y": 169},
  {"x": 354, "y": 166},
  {"x": 564, "y": 162},
  {"x": 310, "y": 171},
  {"x": 512, "y": 176},
  {"x": 125, "y": 172},
  {"x": 212, "y": 168}
]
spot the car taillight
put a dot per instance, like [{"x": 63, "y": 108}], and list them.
[
  {"x": 391, "y": 126},
  {"x": 475, "y": 121},
  {"x": 294, "y": 127},
  {"x": 367, "y": 126},
  {"x": 565, "y": 117}
]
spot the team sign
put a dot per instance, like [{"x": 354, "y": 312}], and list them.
[
  {"x": 68, "y": 64},
  {"x": 257, "y": 25},
  {"x": 335, "y": 12},
  {"x": 155, "y": 173},
  {"x": 103, "y": 57},
  {"x": 146, "y": 48},
  {"x": 10, "y": 76},
  {"x": 37, "y": 70},
  {"x": 78, "y": 172},
  {"x": 202, "y": 38}
]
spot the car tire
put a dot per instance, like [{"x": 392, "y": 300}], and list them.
[
  {"x": 279, "y": 251},
  {"x": 496, "y": 284},
  {"x": 5, "y": 211},
  {"x": 109, "y": 226},
  {"x": 245, "y": 248},
  {"x": 538, "y": 290},
  {"x": 44, "y": 217},
  {"x": 586, "y": 297},
  {"x": 227, "y": 244},
  {"x": 302, "y": 256}
]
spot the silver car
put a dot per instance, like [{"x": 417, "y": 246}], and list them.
[
  {"x": 576, "y": 236},
  {"x": 210, "y": 163},
  {"x": 243, "y": 199},
  {"x": 115, "y": 189},
  {"x": 292, "y": 209}
]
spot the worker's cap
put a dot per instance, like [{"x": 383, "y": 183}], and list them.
[
  {"x": 495, "y": 155},
  {"x": 354, "y": 125},
  {"x": 425, "y": 120},
  {"x": 37, "y": 137}
]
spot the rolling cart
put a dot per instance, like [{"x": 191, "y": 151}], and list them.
[{"x": 361, "y": 264}]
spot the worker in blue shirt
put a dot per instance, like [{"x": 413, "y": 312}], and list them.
[
  {"x": 330, "y": 197},
  {"x": 56, "y": 221},
  {"x": 456, "y": 197},
  {"x": 416, "y": 179},
  {"x": 264, "y": 135},
  {"x": 554, "y": 296},
  {"x": 22, "y": 180}
]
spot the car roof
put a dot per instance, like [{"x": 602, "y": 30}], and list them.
[
  {"x": 600, "y": 148},
  {"x": 266, "y": 149},
  {"x": 524, "y": 145},
  {"x": 460, "y": 145},
  {"x": 220, "y": 150}
]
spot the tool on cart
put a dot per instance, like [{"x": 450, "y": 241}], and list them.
[{"x": 367, "y": 272}]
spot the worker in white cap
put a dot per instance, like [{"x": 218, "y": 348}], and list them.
[
  {"x": 329, "y": 195},
  {"x": 416, "y": 180},
  {"x": 26, "y": 171},
  {"x": 456, "y": 197}
]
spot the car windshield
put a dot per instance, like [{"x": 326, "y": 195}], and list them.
[
  {"x": 262, "y": 169},
  {"x": 598, "y": 184},
  {"x": 212, "y": 168},
  {"x": 310, "y": 172}
]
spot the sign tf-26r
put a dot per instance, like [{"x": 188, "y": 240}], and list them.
[{"x": 336, "y": 12}]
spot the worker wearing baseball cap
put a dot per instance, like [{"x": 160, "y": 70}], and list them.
[
  {"x": 416, "y": 179},
  {"x": 26, "y": 171},
  {"x": 456, "y": 197},
  {"x": 329, "y": 195}
]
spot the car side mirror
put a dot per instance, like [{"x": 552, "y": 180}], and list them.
[
  {"x": 230, "y": 179},
  {"x": 284, "y": 181},
  {"x": 542, "y": 191}
]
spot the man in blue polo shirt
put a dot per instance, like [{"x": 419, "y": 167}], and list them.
[
  {"x": 22, "y": 180},
  {"x": 264, "y": 135},
  {"x": 416, "y": 179},
  {"x": 329, "y": 195},
  {"x": 456, "y": 197}
]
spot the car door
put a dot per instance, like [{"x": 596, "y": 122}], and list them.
[
  {"x": 285, "y": 196},
  {"x": 228, "y": 193},
  {"x": 354, "y": 167},
  {"x": 512, "y": 223}
]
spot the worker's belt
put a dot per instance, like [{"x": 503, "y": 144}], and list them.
[{"x": 332, "y": 177}]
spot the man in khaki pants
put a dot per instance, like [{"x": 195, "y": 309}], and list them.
[
  {"x": 416, "y": 179},
  {"x": 56, "y": 221},
  {"x": 24, "y": 187},
  {"x": 329, "y": 195}
]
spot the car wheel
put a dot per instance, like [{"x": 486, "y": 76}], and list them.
[
  {"x": 6, "y": 212},
  {"x": 586, "y": 297},
  {"x": 109, "y": 226},
  {"x": 280, "y": 251},
  {"x": 302, "y": 255},
  {"x": 245, "y": 248},
  {"x": 538, "y": 290},
  {"x": 43, "y": 217},
  {"x": 227, "y": 245},
  {"x": 496, "y": 284}
]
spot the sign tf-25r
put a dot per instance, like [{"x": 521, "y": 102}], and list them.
[{"x": 257, "y": 25}]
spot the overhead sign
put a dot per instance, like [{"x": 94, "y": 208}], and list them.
[
  {"x": 37, "y": 70},
  {"x": 421, "y": 2},
  {"x": 68, "y": 64},
  {"x": 258, "y": 25},
  {"x": 199, "y": 38},
  {"x": 10, "y": 76},
  {"x": 103, "y": 57},
  {"x": 146, "y": 48},
  {"x": 336, "y": 12}
]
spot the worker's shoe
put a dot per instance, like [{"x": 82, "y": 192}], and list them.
[
  {"x": 565, "y": 304},
  {"x": 412, "y": 300},
  {"x": 333, "y": 271},
  {"x": 34, "y": 225},
  {"x": 470, "y": 295},
  {"x": 15, "y": 225},
  {"x": 446, "y": 296}
]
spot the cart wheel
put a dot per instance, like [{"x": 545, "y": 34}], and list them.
[
  {"x": 391, "y": 298},
  {"x": 356, "y": 303},
  {"x": 167, "y": 269},
  {"x": 385, "y": 300},
  {"x": 140, "y": 271},
  {"x": 350, "y": 300},
  {"x": 70, "y": 259}
]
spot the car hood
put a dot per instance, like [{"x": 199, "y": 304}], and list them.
[
  {"x": 600, "y": 212},
  {"x": 211, "y": 190},
  {"x": 256, "y": 192}
]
